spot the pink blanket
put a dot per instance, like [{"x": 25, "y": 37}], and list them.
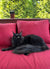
[{"x": 38, "y": 60}]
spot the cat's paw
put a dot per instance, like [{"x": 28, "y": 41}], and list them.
[
  {"x": 3, "y": 49},
  {"x": 26, "y": 54}
]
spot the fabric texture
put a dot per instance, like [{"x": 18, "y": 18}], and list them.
[
  {"x": 38, "y": 60},
  {"x": 6, "y": 33},
  {"x": 39, "y": 28}
]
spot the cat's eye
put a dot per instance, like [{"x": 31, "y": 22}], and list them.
[{"x": 18, "y": 37}]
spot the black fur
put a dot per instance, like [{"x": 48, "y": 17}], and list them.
[
  {"x": 26, "y": 44},
  {"x": 27, "y": 49}
]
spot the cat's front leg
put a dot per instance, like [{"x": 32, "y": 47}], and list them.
[{"x": 9, "y": 48}]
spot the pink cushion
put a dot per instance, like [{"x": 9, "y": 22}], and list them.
[
  {"x": 40, "y": 28},
  {"x": 6, "y": 33}
]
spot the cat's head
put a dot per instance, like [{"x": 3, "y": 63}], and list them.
[{"x": 18, "y": 38}]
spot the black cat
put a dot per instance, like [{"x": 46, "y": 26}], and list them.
[{"x": 18, "y": 41}]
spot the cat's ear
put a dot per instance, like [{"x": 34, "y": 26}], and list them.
[
  {"x": 13, "y": 33},
  {"x": 21, "y": 33}
]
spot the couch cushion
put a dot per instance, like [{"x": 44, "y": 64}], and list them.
[
  {"x": 40, "y": 28},
  {"x": 6, "y": 33},
  {"x": 38, "y": 60}
]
